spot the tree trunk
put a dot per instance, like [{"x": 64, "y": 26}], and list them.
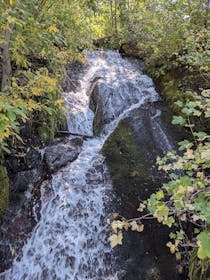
[
  {"x": 207, "y": 14},
  {"x": 6, "y": 62},
  {"x": 111, "y": 14},
  {"x": 115, "y": 16}
]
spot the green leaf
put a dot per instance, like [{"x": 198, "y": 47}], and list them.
[
  {"x": 172, "y": 235},
  {"x": 185, "y": 144},
  {"x": 187, "y": 111},
  {"x": 178, "y": 120},
  {"x": 169, "y": 222},
  {"x": 207, "y": 114},
  {"x": 159, "y": 195},
  {"x": 200, "y": 135},
  {"x": 203, "y": 245},
  {"x": 179, "y": 103},
  {"x": 197, "y": 113}
]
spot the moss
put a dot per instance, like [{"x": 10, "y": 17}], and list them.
[
  {"x": 128, "y": 166},
  {"x": 4, "y": 190},
  {"x": 46, "y": 134}
]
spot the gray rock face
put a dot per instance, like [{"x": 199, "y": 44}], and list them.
[
  {"x": 25, "y": 171},
  {"x": 110, "y": 99},
  {"x": 33, "y": 159},
  {"x": 57, "y": 156},
  {"x": 33, "y": 167},
  {"x": 24, "y": 179}
]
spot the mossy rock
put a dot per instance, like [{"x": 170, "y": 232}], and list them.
[
  {"x": 4, "y": 190},
  {"x": 122, "y": 147},
  {"x": 131, "y": 49},
  {"x": 128, "y": 166}
]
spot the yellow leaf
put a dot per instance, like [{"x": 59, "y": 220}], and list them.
[
  {"x": 172, "y": 247},
  {"x": 116, "y": 225},
  {"x": 140, "y": 228},
  {"x": 200, "y": 175},
  {"x": 53, "y": 29},
  {"x": 126, "y": 225},
  {"x": 159, "y": 195},
  {"x": 134, "y": 225},
  {"x": 141, "y": 207},
  {"x": 116, "y": 239},
  {"x": 189, "y": 154},
  {"x": 205, "y": 154},
  {"x": 183, "y": 217}
]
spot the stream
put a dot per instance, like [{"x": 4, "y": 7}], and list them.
[{"x": 70, "y": 241}]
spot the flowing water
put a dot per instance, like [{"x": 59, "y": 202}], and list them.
[{"x": 70, "y": 240}]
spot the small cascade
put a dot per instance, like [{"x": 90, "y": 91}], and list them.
[{"x": 70, "y": 240}]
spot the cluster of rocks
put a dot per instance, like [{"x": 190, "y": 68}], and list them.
[
  {"x": 38, "y": 164},
  {"x": 26, "y": 175}
]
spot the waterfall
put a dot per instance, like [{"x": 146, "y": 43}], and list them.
[{"x": 70, "y": 239}]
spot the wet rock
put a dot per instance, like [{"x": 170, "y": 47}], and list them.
[
  {"x": 109, "y": 99},
  {"x": 121, "y": 275},
  {"x": 153, "y": 274},
  {"x": 24, "y": 179},
  {"x": 33, "y": 159},
  {"x": 57, "y": 156},
  {"x": 71, "y": 78},
  {"x": 17, "y": 223},
  {"x": 30, "y": 160},
  {"x": 131, "y": 152}
]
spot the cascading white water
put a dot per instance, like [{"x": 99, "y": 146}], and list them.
[{"x": 70, "y": 240}]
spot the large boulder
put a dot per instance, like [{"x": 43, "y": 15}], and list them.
[
  {"x": 110, "y": 98},
  {"x": 58, "y": 155}
]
